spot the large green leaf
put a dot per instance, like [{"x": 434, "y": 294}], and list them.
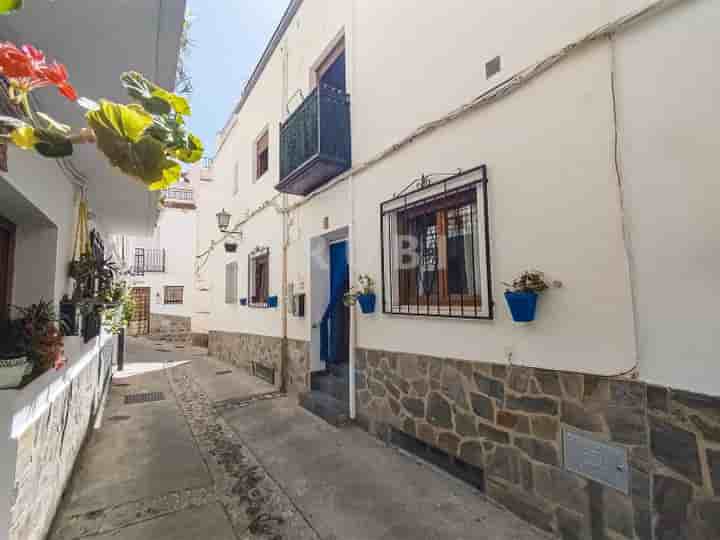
[
  {"x": 8, "y": 6},
  {"x": 53, "y": 144},
  {"x": 120, "y": 121},
  {"x": 154, "y": 99},
  {"x": 192, "y": 152}
]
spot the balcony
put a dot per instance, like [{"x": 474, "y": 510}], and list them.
[
  {"x": 148, "y": 261},
  {"x": 315, "y": 142},
  {"x": 179, "y": 197}
]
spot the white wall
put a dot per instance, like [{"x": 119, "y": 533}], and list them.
[
  {"x": 668, "y": 86},
  {"x": 52, "y": 199},
  {"x": 175, "y": 233},
  {"x": 554, "y": 198}
]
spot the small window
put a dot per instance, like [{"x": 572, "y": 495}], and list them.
[
  {"x": 262, "y": 155},
  {"x": 174, "y": 295},
  {"x": 435, "y": 250},
  {"x": 236, "y": 179},
  {"x": 259, "y": 278},
  {"x": 231, "y": 283}
]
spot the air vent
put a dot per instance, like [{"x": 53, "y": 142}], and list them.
[
  {"x": 466, "y": 472},
  {"x": 492, "y": 67},
  {"x": 144, "y": 398},
  {"x": 264, "y": 372}
]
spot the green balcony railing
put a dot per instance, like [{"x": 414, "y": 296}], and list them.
[{"x": 315, "y": 141}]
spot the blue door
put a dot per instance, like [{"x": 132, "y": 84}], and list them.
[{"x": 339, "y": 338}]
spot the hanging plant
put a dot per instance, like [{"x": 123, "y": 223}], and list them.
[
  {"x": 147, "y": 140},
  {"x": 9, "y": 6}
]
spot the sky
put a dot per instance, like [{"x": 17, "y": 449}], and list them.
[{"x": 229, "y": 37}]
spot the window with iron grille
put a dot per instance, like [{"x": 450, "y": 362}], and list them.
[
  {"x": 174, "y": 295},
  {"x": 231, "y": 283},
  {"x": 262, "y": 155},
  {"x": 259, "y": 277},
  {"x": 435, "y": 249}
]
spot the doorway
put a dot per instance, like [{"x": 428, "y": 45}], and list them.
[
  {"x": 140, "y": 323},
  {"x": 331, "y": 353}
]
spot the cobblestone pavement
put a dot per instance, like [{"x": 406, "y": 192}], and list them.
[{"x": 197, "y": 464}]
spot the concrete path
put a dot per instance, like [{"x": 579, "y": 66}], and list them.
[{"x": 220, "y": 456}]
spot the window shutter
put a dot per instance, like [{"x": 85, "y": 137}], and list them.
[{"x": 231, "y": 283}]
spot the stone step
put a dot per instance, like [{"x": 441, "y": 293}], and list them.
[
  {"x": 342, "y": 371},
  {"x": 333, "y": 411},
  {"x": 332, "y": 386}
]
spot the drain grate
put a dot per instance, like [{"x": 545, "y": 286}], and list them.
[
  {"x": 144, "y": 398},
  {"x": 118, "y": 418},
  {"x": 224, "y": 372},
  {"x": 121, "y": 384}
]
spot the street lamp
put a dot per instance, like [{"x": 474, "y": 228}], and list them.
[{"x": 223, "y": 219}]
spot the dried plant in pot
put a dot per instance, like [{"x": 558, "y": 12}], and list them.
[{"x": 522, "y": 294}]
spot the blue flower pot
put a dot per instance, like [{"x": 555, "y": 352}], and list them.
[
  {"x": 272, "y": 301},
  {"x": 243, "y": 301},
  {"x": 367, "y": 303},
  {"x": 522, "y": 305}
]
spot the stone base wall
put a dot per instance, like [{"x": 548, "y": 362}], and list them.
[
  {"x": 170, "y": 328},
  {"x": 199, "y": 340},
  {"x": 242, "y": 350},
  {"x": 298, "y": 366},
  {"x": 47, "y": 450},
  {"x": 508, "y": 421}
]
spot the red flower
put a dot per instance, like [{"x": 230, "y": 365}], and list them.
[
  {"x": 27, "y": 69},
  {"x": 57, "y": 75}
]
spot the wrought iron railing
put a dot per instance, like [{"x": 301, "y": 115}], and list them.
[
  {"x": 148, "y": 261},
  {"x": 177, "y": 194},
  {"x": 318, "y": 129}
]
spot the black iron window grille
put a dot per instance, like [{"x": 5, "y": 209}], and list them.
[
  {"x": 435, "y": 249},
  {"x": 174, "y": 294},
  {"x": 231, "y": 283},
  {"x": 259, "y": 277},
  {"x": 148, "y": 261}
]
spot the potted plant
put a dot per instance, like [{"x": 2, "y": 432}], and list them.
[
  {"x": 522, "y": 294},
  {"x": 272, "y": 301},
  {"x": 231, "y": 247},
  {"x": 15, "y": 363},
  {"x": 43, "y": 335},
  {"x": 363, "y": 293},
  {"x": 243, "y": 301}
]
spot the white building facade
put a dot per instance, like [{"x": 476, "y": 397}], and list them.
[
  {"x": 161, "y": 268},
  {"x": 45, "y": 422},
  {"x": 442, "y": 150}
]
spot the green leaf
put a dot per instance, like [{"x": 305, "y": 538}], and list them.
[
  {"x": 53, "y": 144},
  {"x": 121, "y": 121},
  {"x": 192, "y": 152},
  {"x": 54, "y": 125},
  {"x": 154, "y": 99},
  {"x": 8, "y": 6}
]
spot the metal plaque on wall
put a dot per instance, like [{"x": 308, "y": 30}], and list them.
[{"x": 596, "y": 460}]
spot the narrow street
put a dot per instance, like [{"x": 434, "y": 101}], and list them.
[{"x": 210, "y": 452}]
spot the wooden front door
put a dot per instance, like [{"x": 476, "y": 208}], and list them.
[
  {"x": 140, "y": 324},
  {"x": 7, "y": 249}
]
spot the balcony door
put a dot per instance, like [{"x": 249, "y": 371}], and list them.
[
  {"x": 7, "y": 245},
  {"x": 331, "y": 71}
]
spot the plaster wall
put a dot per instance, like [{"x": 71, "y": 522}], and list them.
[{"x": 668, "y": 116}]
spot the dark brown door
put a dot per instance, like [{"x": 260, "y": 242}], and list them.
[
  {"x": 7, "y": 248},
  {"x": 140, "y": 324}
]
